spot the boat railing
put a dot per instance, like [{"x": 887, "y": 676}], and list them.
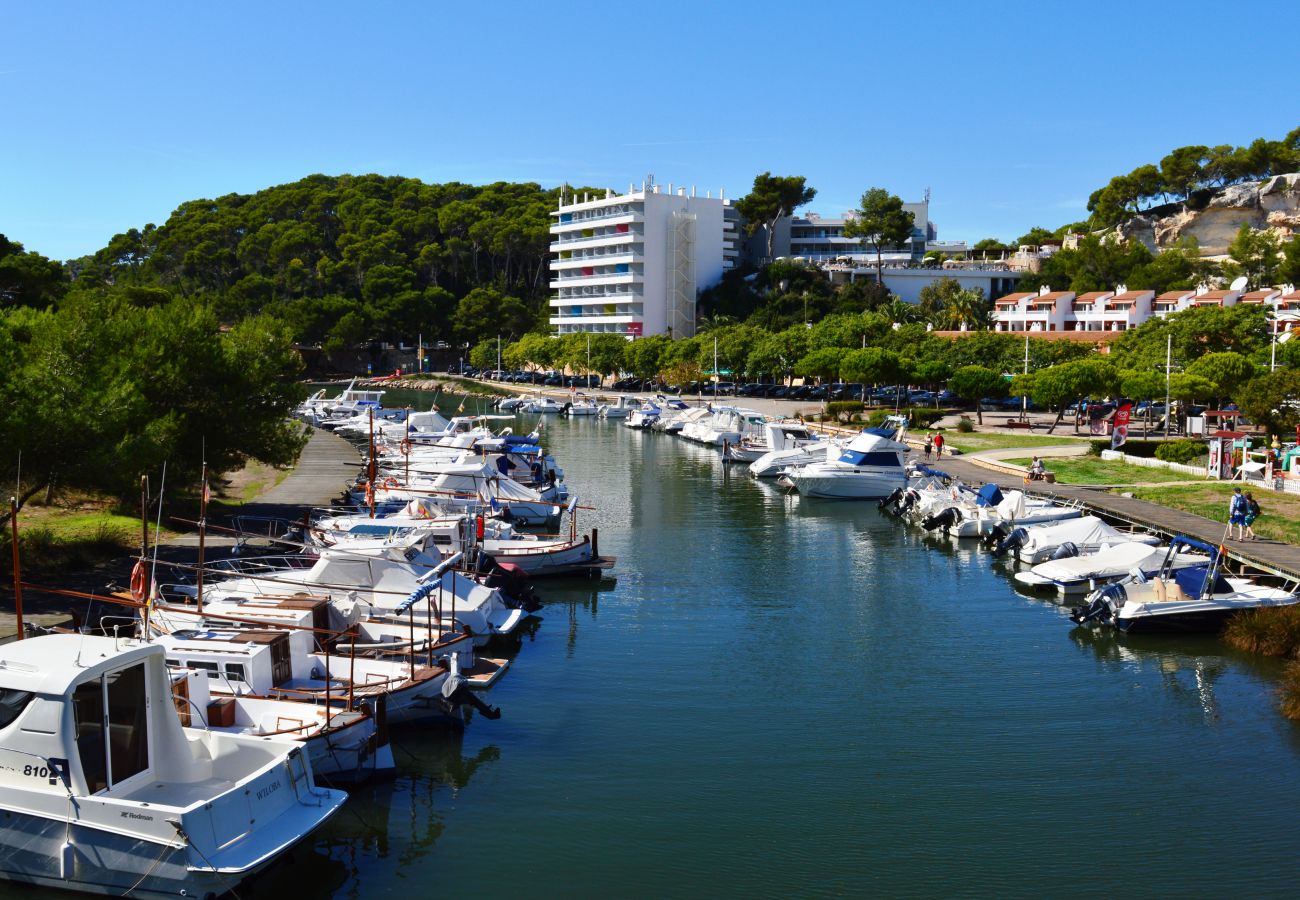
[{"x": 255, "y": 565}]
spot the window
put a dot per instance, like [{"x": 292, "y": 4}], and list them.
[
  {"x": 235, "y": 672},
  {"x": 128, "y": 722},
  {"x": 12, "y": 704},
  {"x": 88, "y": 715}
]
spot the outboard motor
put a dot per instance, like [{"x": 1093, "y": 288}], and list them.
[
  {"x": 891, "y": 500},
  {"x": 945, "y": 519},
  {"x": 1100, "y": 605},
  {"x": 994, "y": 535},
  {"x": 1013, "y": 541},
  {"x": 1068, "y": 550},
  {"x": 908, "y": 501}
]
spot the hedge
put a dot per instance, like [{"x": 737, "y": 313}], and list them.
[
  {"x": 1142, "y": 449},
  {"x": 1181, "y": 451},
  {"x": 917, "y": 416},
  {"x": 849, "y": 407}
]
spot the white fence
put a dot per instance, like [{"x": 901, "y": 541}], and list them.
[{"x": 1150, "y": 463}]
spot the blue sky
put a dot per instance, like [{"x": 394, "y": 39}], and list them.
[{"x": 1010, "y": 113}]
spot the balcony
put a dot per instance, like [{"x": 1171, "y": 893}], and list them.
[
  {"x": 596, "y": 280},
  {"x": 599, "y": 240},
  {"x": 622, "y": 257},
  {"x": 590, "y": 221}
]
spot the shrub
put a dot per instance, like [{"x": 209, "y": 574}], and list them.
[
  {"x": 965, "y": 426},
  {"x": 1271, "y": 631},
  {"x": 1181, "y": 451},
  {"x": 843, "y": 407},
  {"x": 1289, "y": 691}
]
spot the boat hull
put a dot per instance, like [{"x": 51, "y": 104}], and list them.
[{"x": 855, "y": 486}]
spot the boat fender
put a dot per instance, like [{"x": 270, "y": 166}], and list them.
[
  {"x": 1067, "y": 550},
  {"x": 1015, "y": 539}
]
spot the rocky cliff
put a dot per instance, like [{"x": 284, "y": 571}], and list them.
[{"x": 1272, "y": 204}]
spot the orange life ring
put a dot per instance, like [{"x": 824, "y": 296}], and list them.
[
  {"x": 389, "y": 483},
  {"x": 405, "y": 446},
  {"x": 138, "y": 576}
]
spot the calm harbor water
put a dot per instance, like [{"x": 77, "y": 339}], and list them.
[{"x": 790, "y": 697}]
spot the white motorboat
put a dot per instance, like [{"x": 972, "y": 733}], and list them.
[
  {"x": 469, "y": 486},
  {"x": 343, "y": 745},
  {"x": 643, "y": 416},
  {"x": 973, "y": 514},
  {"x": 1192, "y": 599},
  {"x": 677, "y": 424},
  {"x": 1076, "y": 537},
  {"x": 621, "y": 408},
  {"x": 775, "y": 436},
  {"x": 381, "y": 573},
  {"x": 542, "y": 405},
  {"x": 580, "y": 406},
  {"x": 869, "y": 467},
  {"x": 774, "y": 463},
  {"x": 105, "y": 792},
  {"x": 1080, "y": 574},
  {"x": 283, "y": 664},
  {"x": 533, "y": 554}
]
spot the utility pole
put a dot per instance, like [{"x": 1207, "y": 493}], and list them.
[
  {"x": 1169, "y": 360},
  {"x": 1024, "y": 399}
]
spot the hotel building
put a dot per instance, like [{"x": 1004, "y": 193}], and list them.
[{"x": 633, "y": 264}]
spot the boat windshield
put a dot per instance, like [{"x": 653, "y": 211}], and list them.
[{"x": 877, "y": 458}]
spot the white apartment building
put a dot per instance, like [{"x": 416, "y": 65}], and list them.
[
  {"x": 633, "y": 263},
  {"x": 1111, "y": 311},
  {"x": 820, "y": 239}
]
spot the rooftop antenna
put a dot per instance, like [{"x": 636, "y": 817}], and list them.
[
  {"x": 927, "y": 196},
  {"x": 1239, "y": 283}
]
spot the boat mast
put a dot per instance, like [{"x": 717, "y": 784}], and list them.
[
  {"x": 203, "y": 530},
  {"x": 18, "y": 581}
]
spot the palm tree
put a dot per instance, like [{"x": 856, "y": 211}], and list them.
[
  {"x": 717, "y": 320},
  {"x": 901, "y": 311}
]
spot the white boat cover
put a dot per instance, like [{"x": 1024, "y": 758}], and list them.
[
  {"x": 1083, "y": 531},
  {"x": 1114, "y": 561}
]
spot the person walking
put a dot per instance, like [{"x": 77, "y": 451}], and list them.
[
  {"x": 929, "y": 446},
  {"x": 1252, "y": 513},
  {"x": 938, "y": 446},
  {"x": 1237, "y": 514}
]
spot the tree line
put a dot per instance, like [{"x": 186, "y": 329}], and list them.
[{"x": 112, "y": 382}]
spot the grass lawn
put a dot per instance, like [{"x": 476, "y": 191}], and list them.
[
  {"x": 1091, "y": 470},
  {"x": 975, "y": 440},
  {"x": 1279, "y": 521}
]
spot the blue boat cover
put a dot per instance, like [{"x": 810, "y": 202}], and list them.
[
  {"x": 989, "y": 495},
  {"x": 932, "y": 473},
  {"x": 1192, "y": 579},
  {"x": 880, "y": 432}
]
